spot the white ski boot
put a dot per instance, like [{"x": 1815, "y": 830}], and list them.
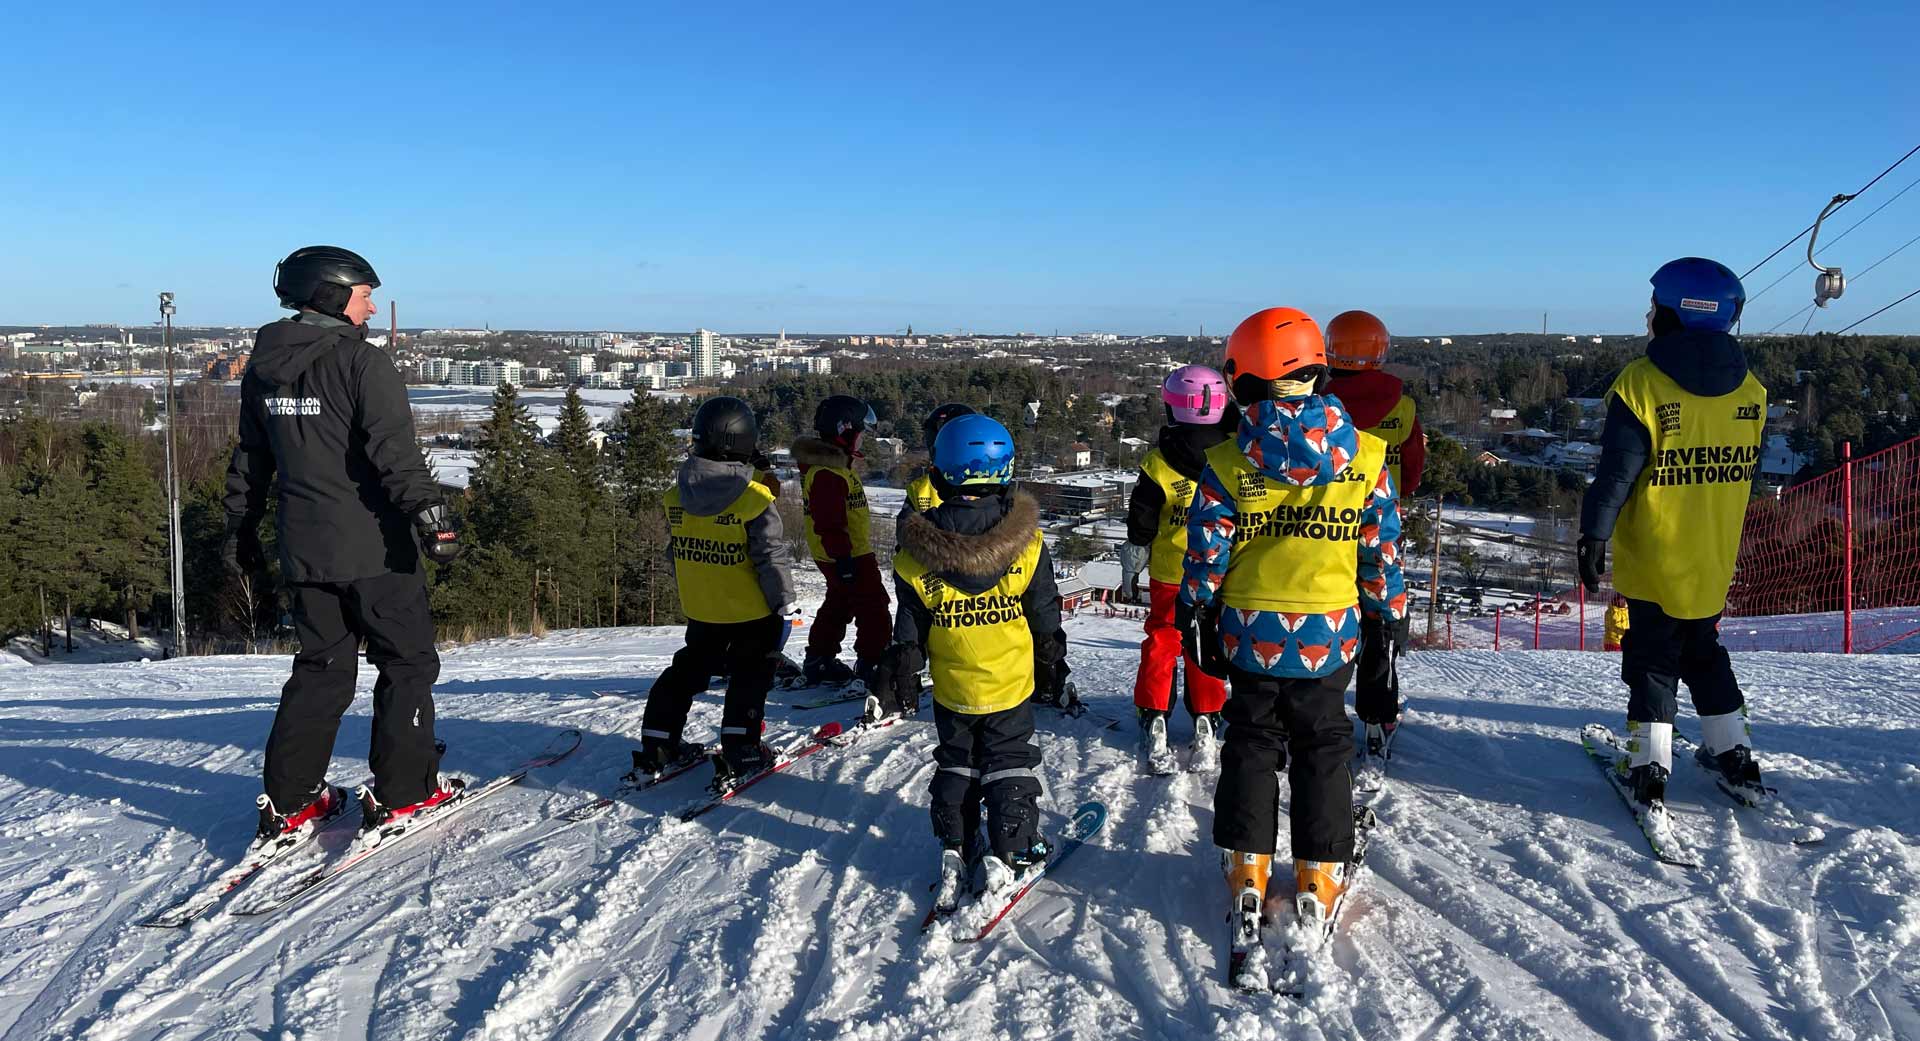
[
  {"x": 1153, "y": 744},
  {"x": 1204, "y": 754},
  {"x": 953, "y": 882}
]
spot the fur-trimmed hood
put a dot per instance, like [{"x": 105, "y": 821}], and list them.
[
  {"x": 812, "y": 451},
  {"x": 970, "y": 542}
]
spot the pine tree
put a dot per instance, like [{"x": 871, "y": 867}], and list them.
[
  {"x": 130, "y": 512},
  {"x": 574, "y": 440}
]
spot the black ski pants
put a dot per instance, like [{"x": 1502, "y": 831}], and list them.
[
  {"x": 746, "y": 652},
  {"x": 1302, "y": 724},
  {"x": 1659, "y": 652},
  {"x": 1376, "y": 682},
  {"x": 989, "y": 759},
  {"x": 390, "y": 613}
]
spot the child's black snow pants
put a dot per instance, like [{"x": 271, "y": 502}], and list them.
[
  {"x": 988, "y": 758},
  {"x": 1274, "y": 722}
]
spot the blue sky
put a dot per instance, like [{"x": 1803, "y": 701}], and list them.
[{"x": 1114, "y": 167}]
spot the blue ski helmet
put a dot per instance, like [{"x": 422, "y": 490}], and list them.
[
  {"x": 1703, "y": 293},
  {"x": 973, "y": 450}
]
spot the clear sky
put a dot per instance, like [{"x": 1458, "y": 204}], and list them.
[{"x": 1036, "y": 166}]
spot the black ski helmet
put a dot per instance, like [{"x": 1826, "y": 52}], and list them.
[
  {"x": 840, "y": 416},
  {"x": 322, "y": 278},
  {"x": 939, "y": 417},
  {"x": 724, "y": 429}
]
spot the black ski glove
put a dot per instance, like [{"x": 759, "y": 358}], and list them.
[
  {"x": 844, "y": 569},
  {"x": 242, "y": 552},
  {"x": 896, "y": 680},
  {"x": 1200, "y": 636},
  {"x": 438, "y": 539},
  {"x": 1593, "y": 562}
]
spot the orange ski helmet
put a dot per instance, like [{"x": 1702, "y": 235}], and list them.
[
  {"x": 1356, "y": 340},
  {"x": 1270, "y": 344}
]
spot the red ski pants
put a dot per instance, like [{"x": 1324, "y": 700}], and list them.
[
  {"x": 1160, "y": 652},
  {"x": 863, "y": 602}
]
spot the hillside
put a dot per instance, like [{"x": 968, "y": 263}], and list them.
[{"x": 1509, "y": 895}]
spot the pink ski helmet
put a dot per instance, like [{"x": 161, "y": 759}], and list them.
[{"x": 1195, "y": 394}]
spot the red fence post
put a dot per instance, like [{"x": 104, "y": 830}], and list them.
[
  {"x": 1846, "y": 578},
  {"x": 1496, "y": 628},
  {"x": 1582, "y": 591},
  {"x": 1536, "y": 621}
]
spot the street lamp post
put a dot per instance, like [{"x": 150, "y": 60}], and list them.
[{"x": 175, "y": 551}]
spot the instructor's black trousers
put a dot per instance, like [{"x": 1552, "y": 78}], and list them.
[
  {"x": 1659, "y": 652},
  {"x": 390, "y": 613},
  {"x": 746, "y": 652},
  {"x": 1274, "y": 722}
]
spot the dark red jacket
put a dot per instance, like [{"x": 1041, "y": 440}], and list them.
[{"x": 1369, "y": 395}]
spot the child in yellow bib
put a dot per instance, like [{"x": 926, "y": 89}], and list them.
[
  {"x": 977, "y": 604},
  {"x": 730, "y": 561},
  {"x": 1678, "y": 456}
]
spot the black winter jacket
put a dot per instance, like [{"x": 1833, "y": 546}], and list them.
[
  {"x": 327, "y": 414},
  {"x": 1705, "y": 363}
]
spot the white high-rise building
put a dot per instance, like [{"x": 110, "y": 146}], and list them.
[
  {"x": 703, "y": 355},
  {"x": 581, "y": 365}
]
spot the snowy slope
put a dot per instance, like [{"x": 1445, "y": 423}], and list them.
[{"x": 1510, "y": 896}]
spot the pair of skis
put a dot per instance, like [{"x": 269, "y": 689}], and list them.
[
  {"x": 1665, "y": 836},
  {"x": 973, "y": 922},
  {"x": 370, "y": 844}
]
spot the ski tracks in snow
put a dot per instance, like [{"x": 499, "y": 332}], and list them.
[{"x": 1508, "y": 896}]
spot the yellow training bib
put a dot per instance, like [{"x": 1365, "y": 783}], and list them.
[
  {"x": 921, "y": 495},
  {"x": 1679, "y": 532},
  {"x": 859, "y": 523},
  {"x": 1394, "y": 430},
  {"x": 979, "y": 650},
  {"x": 1295, "y": 550},
  {"x": 716, "y": 577},
  {"x": 1169, "y": 548}
]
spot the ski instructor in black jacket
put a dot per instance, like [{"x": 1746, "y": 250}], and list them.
[{"x": 326, "y": 413}]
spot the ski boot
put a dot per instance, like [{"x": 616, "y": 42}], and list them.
[
  {"x": 1002, "y": 874},
  {"x": 1065, "y": 699},
  {"x": 1247, "y": 963},
  {"x": 379, "y": 821},
  {"x": 1153, "y": 743},
  {"x": 785, "y": 673},
  {"x": 826, "y": 672},
  {"x": 292, "y": 827},
  {"x": 736, "y": 763},
  {"x": 1319, "y": 890},
  {"x": 1204, "y": 753},
  {"x": 1380, "y": 740},
  {"x": 1736, "y": 772},
  {"x": 1648, "y": 783},
  {"x": 656, "y": 756},
  {"x": 954, "y": 872}
]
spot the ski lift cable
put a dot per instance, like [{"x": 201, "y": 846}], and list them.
[
  {"x": 1836, "y": 208},
  {"x": 1882, "y": 311},
  {"x": 1910, "y": 186},
  {"x": 1896, "y": 252}
]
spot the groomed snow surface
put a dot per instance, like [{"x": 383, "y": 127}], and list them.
[{"x": 1510, "y": 895}]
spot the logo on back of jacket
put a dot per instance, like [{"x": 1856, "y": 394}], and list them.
[
  {"x": 1389, "y": 423},
  {"x": 1751, "y": 412},
  {"x": 291, "y": 406}
]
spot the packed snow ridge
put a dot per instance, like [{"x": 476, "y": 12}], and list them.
[{"x": 1509, "y": 894}]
